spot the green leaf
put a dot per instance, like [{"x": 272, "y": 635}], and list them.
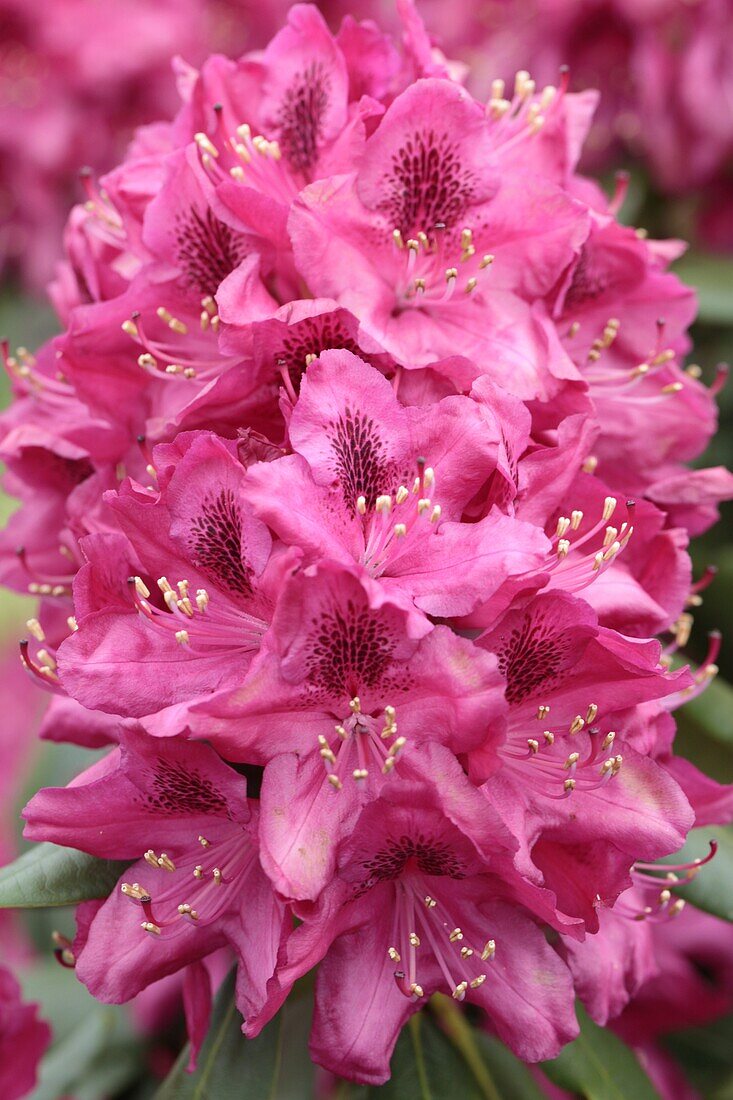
[
  {"x": 712, "y": 278},
  {"x": 229, "y": 1067},
  {"x": 598, "y": 1066},
  {"x": 712, "y": 887},
  {"x": 49, "y": 875},
  {"x": 512, "y": 1078},
  {"x": 426, "y": 1066}
]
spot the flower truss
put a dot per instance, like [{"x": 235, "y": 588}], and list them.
[{"x": 355, "y": 495}]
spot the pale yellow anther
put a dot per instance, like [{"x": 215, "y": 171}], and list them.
[
  {"x": 576, "y": 518},
  {"x": 521, "y": 79},
  {"x": 574, "y": 329},
  {"x": 185, "y": 606},
  {"x": 72, "y": 624},
  {"x": 164, "y": 585},
  {"x": 236, "y": 171},
  {"x": 355, "y": 705},
  {"x": 549, "y": 737},
  {"x": 45, "y": 658},
  {"x": 136, "y": 891},
  {"x": 563, "y": 525},
  {"x": 416, "y": 990},
  {"x": 205, "y": 144},
  {"x": 610, "y": 535},
  {"x": 489, "y": 950},
  {"x": 146, "y": 360},
  {"x": 151, "y": 858},
  {"x": 683, "y": 629},
  {"x": 217, "y": 876},
  {"x": 414, "y": 939},
  {"x": 148, "y": 926},
  {"x": 466, "y": 952},
  {"x": 361, "y": 505},
  {"x": 327, "y": 754},
  {"x": 310, "y": 358},
  {"x": 466, "y": 238},
  {"x": 455, "y": 935},
  {"x": 590, "y": 465},
  {"x": 451, "y": 273},
  {"x": 694, "y": 370},
  {"x": 203, "y": 841},
  {"x": 423, "y": 239},
  {"x": 423, "y": 505},
  {"x": 609, "y": 507},
  {"x": 672, "y": 387},
  {"x": 598, "y": 561},
  {"x": 435, "y": 514},
  {"x": 498, "y": 87},
  {"x": 397, "y": 238},
  {"x": 563, "y": 548},
  {"x": 182, "y": 637},
  {"x": 460, "y": 991},
  {"x": 548, "y": 95},
  {"x": 478, "y": 981},
  {"x": 665, "y": 896},
  {"x": 471, "y": 284},
  {"x": 202, "y": 599},
  {"x": 612, "y": 551},
  {"x": 534, "y": 745},
  {"x": 189, "y": 372},
  {"x": 397, "y": 746},
  {"x": 429, "y": 902},
  {"x": 609, "y": 739},
  {"x": 244, "y": 131},
  {"x": 388, "y": 765},
  {"x": 166, "y": 862},
  {"x": 419, "y": 285},
  {"x": 413, "y": 245},
  {"x": 536, "y": 123},
  {"x": 341, "y": 732},
  {"x": 571, "y": 760},
  {"x": 360, "y": 773},
  {"x": 591, "y": 713},
  {"x": 542, "y": 711},
  {"x": 400, "y": 530},
  {"x": 569, "y": 785},
  {"x": 198, "y": 871},
  {"x": 383, "y": 504},
  {"x": 577, "y": 724},
  {"x": 486, "y": 260},
  {"x": 34, "y": 627},
  {"x": 394, "y": 954},
  {"x": 402, "y": 494},
  {"x": 174, "y": 368},
  {"x": 130, "y": 328},
  {"x": 335, "y": 782}
]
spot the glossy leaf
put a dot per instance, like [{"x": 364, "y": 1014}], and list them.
[
  {"x": 426, "y": 1066},
  {"x": 48, "y": 875},
  {"x": 598, "y": 1066},
  {"x": 229, "y": 1067}
]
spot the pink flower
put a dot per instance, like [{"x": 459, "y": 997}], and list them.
[
  {"x": 423, "y": 908},
  {"x": 203, "y": 890},
  {"x": 23, "y": 1039}
]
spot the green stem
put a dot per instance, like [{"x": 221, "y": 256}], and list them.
[{"x": 460, "y": 1034}]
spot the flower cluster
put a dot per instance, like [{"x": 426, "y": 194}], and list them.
[
  {"x": 355, "y": 495},
  {"x": 71, "y": 95},
  {"x": 659, "y": 66}
]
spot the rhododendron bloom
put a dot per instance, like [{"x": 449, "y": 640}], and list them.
[{"x": 355, "y": 491}]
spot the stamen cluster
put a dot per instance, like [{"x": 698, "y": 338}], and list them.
[{"x": 355, "y": 494}]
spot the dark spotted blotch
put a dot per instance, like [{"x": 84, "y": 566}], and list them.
[
  {"x": 432, "y": 857},
  {"x": 177, "y": 790},
  {"x": 207, "y": 250},
  {"x": 216, "y": 543},
  {"x": 300, "y": 119},
  {"x": 349, "y": 649},
  {"x": 533, "y": 656},
  {"x": 427, "y": 185},
  {"x": 311, "y": 336},
  {"x": 362, "y": 463}
]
